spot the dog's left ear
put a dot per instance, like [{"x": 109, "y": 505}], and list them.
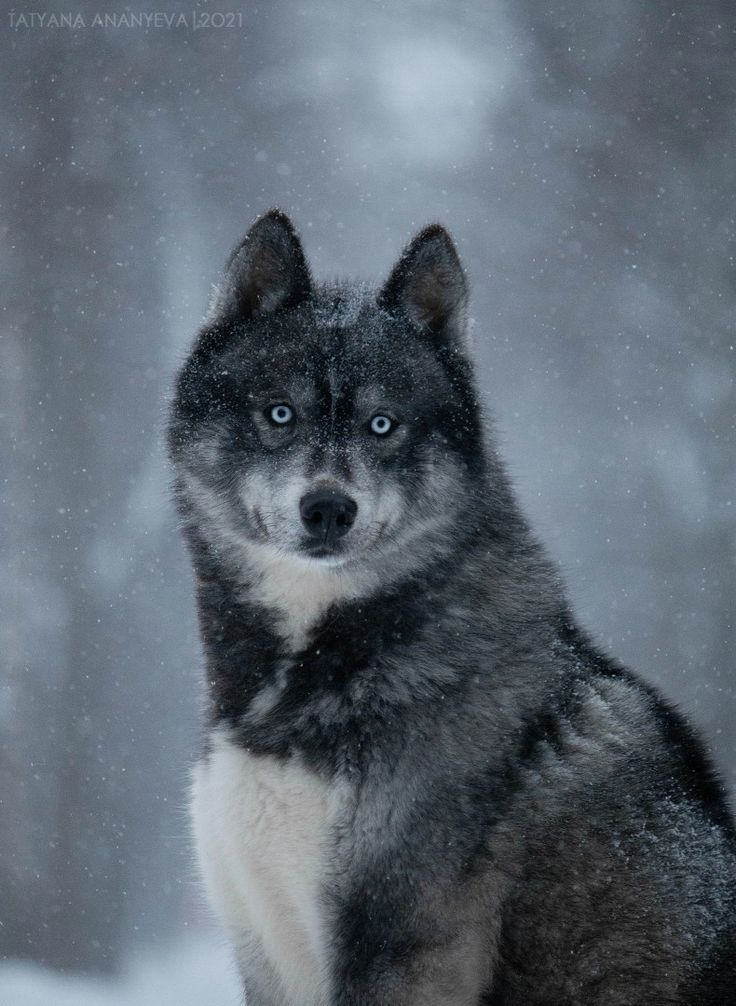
[
  {"x": 267, "y": 271},
  {"x": 428, "y": 286}
]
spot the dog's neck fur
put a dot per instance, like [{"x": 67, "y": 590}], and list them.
[
  {"x": 298, "y": 592},
  {"x": 295, "y": 650}
]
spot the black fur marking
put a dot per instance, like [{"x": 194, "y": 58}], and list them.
[
  {"x": 715, "y": 983},
  {"x": 346, "y": 667},
  {"x": 242, "y": 648}
]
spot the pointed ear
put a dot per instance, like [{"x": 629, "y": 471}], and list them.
[
  {"x": 266, "y": 272},
  {"x": 428, "y": 285}
]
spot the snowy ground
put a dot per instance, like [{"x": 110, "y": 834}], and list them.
[{"x": 195, "y": 973}]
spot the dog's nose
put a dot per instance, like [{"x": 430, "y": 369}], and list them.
[{"x": 327, "y": 515}]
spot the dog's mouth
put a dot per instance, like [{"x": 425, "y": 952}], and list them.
[
  {"x": 343, "y": 549},
  {"x": 335, "y": 551},
  {"x": 319, "y": 550}
]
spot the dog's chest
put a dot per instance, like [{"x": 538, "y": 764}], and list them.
[{"x": 264, "y": 831}]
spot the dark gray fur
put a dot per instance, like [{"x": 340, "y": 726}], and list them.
[{"x": 530, "y": 823}]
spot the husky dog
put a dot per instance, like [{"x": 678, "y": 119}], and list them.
[{"x": 422, "y": 783}]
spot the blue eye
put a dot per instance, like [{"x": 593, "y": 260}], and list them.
[
  {"x": 382, "y": 425},
  {"x": 281, "y": 414}
]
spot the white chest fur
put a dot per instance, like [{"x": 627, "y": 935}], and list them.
[{"x": 262, "y": 829}]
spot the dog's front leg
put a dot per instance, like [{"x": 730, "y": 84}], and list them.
[
  {"x": 426, "y": 982},
  {"x": 413, "y": 968}
]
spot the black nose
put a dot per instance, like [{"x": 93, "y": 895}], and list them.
[{"x": 327, "y": 515}]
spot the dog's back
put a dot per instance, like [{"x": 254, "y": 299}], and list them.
[{"x": 421, "y": 784}]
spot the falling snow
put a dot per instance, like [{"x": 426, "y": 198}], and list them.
[{"x": 585, "y": 166}]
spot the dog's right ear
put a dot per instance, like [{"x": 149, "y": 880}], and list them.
[{"x": 267, "y": 271}]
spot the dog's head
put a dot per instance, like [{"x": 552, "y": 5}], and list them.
[{"x": 329, "y": 425}]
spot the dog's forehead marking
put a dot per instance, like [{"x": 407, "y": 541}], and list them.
[{"x": 344, "y": 309}]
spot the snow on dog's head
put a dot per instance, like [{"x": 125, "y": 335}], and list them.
[{"x": 328, "y": 426}]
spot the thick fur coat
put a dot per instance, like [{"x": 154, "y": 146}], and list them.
[{"x": 422, "y": 784}]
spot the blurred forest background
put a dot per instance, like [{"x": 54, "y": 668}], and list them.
[{"x": 583, "y": 156}]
